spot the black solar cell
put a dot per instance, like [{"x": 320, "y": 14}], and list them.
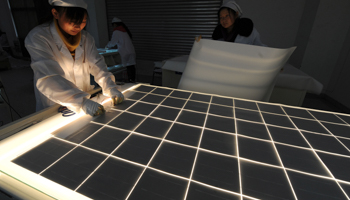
[{"x": 162, "y": 143}]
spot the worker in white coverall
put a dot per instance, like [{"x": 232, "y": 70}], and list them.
[
  {"x": 233, "y": 28},
  {"x": 63, "y": 57},
  {"x": 121, "y": 39}
]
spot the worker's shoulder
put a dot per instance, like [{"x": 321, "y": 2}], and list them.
[
  {"x": 245, "y": 26},
  {"x": 119, "y": 32},
  {"x": 40, "y": 31},
  {"x": 121, "y": 35}
]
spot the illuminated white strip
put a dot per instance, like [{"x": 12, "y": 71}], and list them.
[
  {"x": 224, "y": 154},
  {"x": 111, "y": 154},
  {"x": 30, "y": 137},
  {"x": 177, "y": 143},
  {"x": 223, "y": 190},
  {"x": 294, "y": 170},
  {"x": 237, "y": 150},
  {"x": 246, "y": 109},
  {"x": 261, "y": 163},
  {"x": 76, "y": 146},
  {"x": 191, "y": 125},
  {"x": 329, "y": 132},
  {"x": 316, "y": 175},
  {"x": 218, "y": 153},
  {"x": 248, "y": 121},
  {"x": 342, "y": 118},
  {"x": 304, "y": 109},
  {"x": 198, "y": 147},
  {"x": 278, "y": 156},
  {"x": 275, "y": 166},
  {"x": 36, "y": 137},
  {"x": 156, "y": 151},
  {"x": 294, "y": 129},
  {"x": 200, "y": 183},
  {"x": 313, "y": 150},
  {"x": 180, "y": 144},
  {"x": 255, "y": 138}
]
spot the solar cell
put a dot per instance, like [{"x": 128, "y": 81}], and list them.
[{"x": 164, "y": 143}]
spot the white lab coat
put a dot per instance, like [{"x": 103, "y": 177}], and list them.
[
  {"x": 58, "y": 78},
  {"x": 125, "y": 47},
  {"x": 252, "y": 39}
]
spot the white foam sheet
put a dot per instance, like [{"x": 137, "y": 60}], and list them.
[
  {"x": 294, "y": 78},
  {"x": 232, "y": 69},
  {"x": 177, "y": 64}
]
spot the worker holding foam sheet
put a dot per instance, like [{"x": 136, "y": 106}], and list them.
[
  {"x": 63, "y": 57},
  {"x": 121, "y": 39},
  {"x": 233, "y": 28}
]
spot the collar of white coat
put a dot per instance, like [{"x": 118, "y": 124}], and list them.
[{"x": 60, "y": 43}]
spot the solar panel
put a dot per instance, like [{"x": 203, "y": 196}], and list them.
[{"x": 164, "y": 143}]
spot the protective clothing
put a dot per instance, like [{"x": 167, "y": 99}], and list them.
[
  {"x": 116, "y": 19},
  {"x": 252, "y": 39},
  {"x": 58, "y": 78},
  {"x": 243, "y": 32},
  {"x": 68, "y": 3},
  {"x": 92, "y": 108},
  {"x": 233, "y": 5},
  {"x": 117, "y": 97},
  {"x": 125, "y": 47}
]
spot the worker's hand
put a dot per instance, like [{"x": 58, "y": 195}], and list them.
[
  {"x": 198, "y": 38},
  {"x": 117, "y": 96},
  {"x": 92, "y": 108}
]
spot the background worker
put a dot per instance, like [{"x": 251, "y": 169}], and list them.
[
  {"x": 121, "y": 39},
  {"x": 63, "y": 56},
  {"x": 233, "y": 28}
]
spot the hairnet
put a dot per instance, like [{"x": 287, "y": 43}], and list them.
[
  {"x": 116, "y": 19},
  {"x": 233, "y": 5},
  {"x": 68, "y": 3}
]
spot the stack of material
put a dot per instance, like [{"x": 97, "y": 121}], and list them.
[{"x": 231, "y": 69}]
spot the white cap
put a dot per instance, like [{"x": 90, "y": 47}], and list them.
[
  {"x": 233, "y": 5},
  {"x": 68, "y": 3},
  {"x": 116, "y": 19}
]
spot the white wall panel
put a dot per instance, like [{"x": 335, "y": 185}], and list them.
[
  {"x": 277, "y": 21},
  {"x": 326, "y": 40}
]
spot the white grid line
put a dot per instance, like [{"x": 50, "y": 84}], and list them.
[
  {"x": 196, "y": 156},
  {"x": 314, "y": 152},
  {"x": 207, "y": 150},
  {"x": 278, "y": 156}
]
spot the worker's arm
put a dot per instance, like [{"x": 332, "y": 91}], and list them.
[
  {"x": 98, "y": 69},
  {"x": 114, "y": 40},
  {"x": 49, "y": 75}
]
